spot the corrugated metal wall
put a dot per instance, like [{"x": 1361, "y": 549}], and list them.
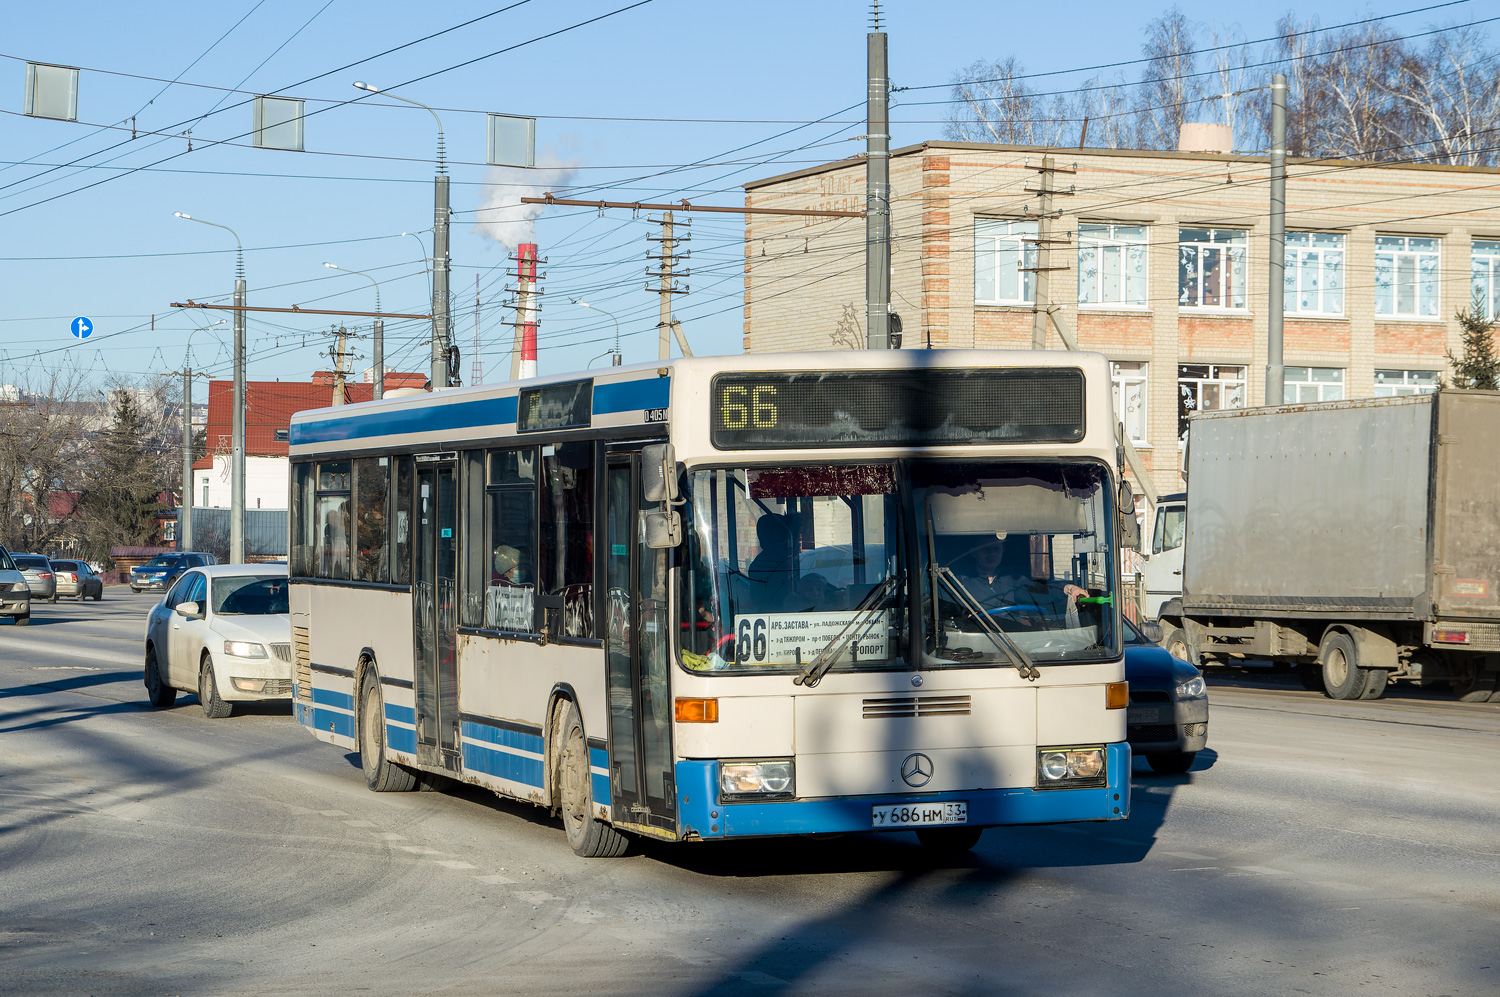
[{"x": 265, "y": 530}]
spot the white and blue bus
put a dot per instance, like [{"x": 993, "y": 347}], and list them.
[{"x": 727, "y": 597}]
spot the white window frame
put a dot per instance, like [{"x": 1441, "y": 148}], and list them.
[
  {"x": 1127, "y": 245},
  {"x": 1395, "y": 254},
  {"x": 1312, "y": 384},
  {"x": 1314, "y": 271},
  {"x": 1130, "y": 382},
  {"x": 1424, "y": 384},
  {"x": 1484, "y": 276},
  {"x": 1233, "y": 251},
  {"x": 1230, "y": 387},
  {"x": 995, "y": 240}
]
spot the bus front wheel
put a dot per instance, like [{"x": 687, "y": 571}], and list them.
[
  {"x": 381, "y": 774},
  {"x": 590, "y": 838}
]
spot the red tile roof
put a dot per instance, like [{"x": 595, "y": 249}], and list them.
[{"x": 270, "y": 405}]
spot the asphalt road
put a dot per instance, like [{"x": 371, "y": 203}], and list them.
[{"x": 1316, "y": 848}]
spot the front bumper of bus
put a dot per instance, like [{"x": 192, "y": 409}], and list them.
[{"x": 700, "y": 814}]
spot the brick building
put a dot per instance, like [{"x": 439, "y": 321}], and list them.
[{"x": 1166, "y": 269}]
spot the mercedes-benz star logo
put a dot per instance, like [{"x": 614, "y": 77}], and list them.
[{"x": 916, "y": 770}]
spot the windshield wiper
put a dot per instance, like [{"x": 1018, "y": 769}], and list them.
[
  {"x": 1001, "y": 639},
  {"x": 813, "y": 672}
]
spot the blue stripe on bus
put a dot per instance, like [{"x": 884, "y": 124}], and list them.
[
  {"x": 632, "y": 396},
  {"x": 331, "y": 720},
  {"x": 400, "y": 714},
  {"x": 623, "y": 396},
  {"x": 329, "y": 697},
  {"x": 401, "y": 739},
  {"x": 497, "y": 760}
]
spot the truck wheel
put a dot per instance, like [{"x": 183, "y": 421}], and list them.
[
  {"x": 1376, "y": 679},
  {"x": 1177, "y": 646},
  {"x": 1474, "y": 685},
  {"x": 1342, "y": 677}
]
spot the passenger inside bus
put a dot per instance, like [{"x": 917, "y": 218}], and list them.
[{"x": 772, "y": 572}]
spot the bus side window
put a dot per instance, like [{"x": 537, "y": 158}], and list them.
[
  {"x": 371, "y": 492},
  {"x": 401, "y": 527},
  {"x": 510, "y": 526},
  {"x": 332, "y": 522},
  {"x": 567, "y": 549},
  {"x": 301, "y": 522}
]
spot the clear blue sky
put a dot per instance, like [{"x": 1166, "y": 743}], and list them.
[{"x": 673, "y": 59}]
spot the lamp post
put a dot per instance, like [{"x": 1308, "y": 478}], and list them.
[
  {"x": 440, "y": 339},
  {"x": 585, "y": 304},
  {"x": 379, "y": 350},
  {"x": 237, "y": 464}
]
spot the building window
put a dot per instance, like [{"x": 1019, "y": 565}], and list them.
[
  {"x": 1313, "y": 384},
  {"x": 1129, "y": 381},
  {"x": 1205, "y": 387},
  {"x": 1211, "y": 266},
  {"x": 1112, "y": 265},
  {"x": 1314, "y": 273},
  {"x": 1389, "y": 383},
  {"x": 1485, "y": 266},
  {"x": 1406, "y": 276},
  {"x": 205, "y": 494},
  {"x": 1003, "y": 250}
]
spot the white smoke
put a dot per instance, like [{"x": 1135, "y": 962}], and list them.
[{"x": 501, "y": 216}]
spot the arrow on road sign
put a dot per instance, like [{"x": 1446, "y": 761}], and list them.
[{"x": 82, "y": 328}]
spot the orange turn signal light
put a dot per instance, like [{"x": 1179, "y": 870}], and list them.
[
  {"x": 1116, "y": 696},
  {"x": 697, "y": 711}
]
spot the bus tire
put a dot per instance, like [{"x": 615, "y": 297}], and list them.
[
  {"x": 1342, "y": 676},
  {"x": 157, "y": 689},
  {"x": 949, "y": 840},
  {"x": 381, "y": 774},
  {"x": 589, "y": 838},
  {"x": 213, "y": 705}
]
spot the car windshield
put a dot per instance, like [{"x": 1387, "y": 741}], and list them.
[
  {"x": 786, "y": 564},
  {"x": 161, "y": 561},
  {"x": 1022, "y": 548},
  {"x": 249, "y": 595},
  {"x": 32, "y": 562},
  {"x": 6, "y": 564}
]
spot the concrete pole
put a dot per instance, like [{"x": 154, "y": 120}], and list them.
[
  {"x": 664, "y": 310},
  {"x": 237, "y": 472},
  {"x": 877, "y": 195},
  {"x": 185, "y": 507},
  {"x": 379, "y": 358},
  {"x": 1275, "y": 371},
  {"x": 440, "y": 282},
  {"x": 1042, "y": 305}
]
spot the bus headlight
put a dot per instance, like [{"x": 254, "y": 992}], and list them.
[
  {"x": 1069, "y": 768},
  {"x": 244, "y": 649},
  {"x": 757, "y": 780}
]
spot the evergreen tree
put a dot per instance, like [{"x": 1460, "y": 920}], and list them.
[
  {"x": 1479, "y": 367},
  {"x": 124, "y": 496}
]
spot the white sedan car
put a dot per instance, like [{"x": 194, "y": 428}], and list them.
[{"x": 222, "y": 631}]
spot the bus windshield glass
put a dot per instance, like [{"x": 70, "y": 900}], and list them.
[
  {"x": 1023, "y": 548},
  {"x": 788, "y": 563}
]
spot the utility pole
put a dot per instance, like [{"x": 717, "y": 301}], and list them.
[
  {"x": 440, "y": 268},
  {"x": 339, "y": 354},
  {"x": 237, "y": 473},
  {"x": 1042, "y": 307},
  {"x": 1275, "y": 371},
  {"x": 877, "y": 190},
  {"x": 476, "y": 363},
  {"x": 667, "y": 285},
  {"x": 185, "y": 506},
  {"x": 523, "y": 346}
]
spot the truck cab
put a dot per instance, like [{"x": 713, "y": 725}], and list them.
[{"x": 1162, "y": 571}]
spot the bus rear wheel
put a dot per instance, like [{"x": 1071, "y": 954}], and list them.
[
  {"x": 381, "y": 774},
  {"x": 590, "y": 838}
]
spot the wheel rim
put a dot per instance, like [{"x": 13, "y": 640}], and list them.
[
  {"x": 1178, "y": 650},
  {"x": 1338, "y": 667},
  {"x": 205, "y": 688},
  {"x": 370, "y": 729},
  {"x": 574, "y": 792}
]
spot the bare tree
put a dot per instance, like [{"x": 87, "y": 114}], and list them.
[
  {"x": 995, "y": 106},
  {"x": 45, "y": 435},
  {"x": 1168, "y": 81}
]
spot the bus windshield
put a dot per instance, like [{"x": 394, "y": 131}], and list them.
[
  {"x": 804, "y": 567},
  {"x": 788, "y": 563},
  {"x": 1022, "y": 548}
]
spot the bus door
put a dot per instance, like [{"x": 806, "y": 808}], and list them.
[
  {"x": 435, "y": 610},
  {"x": 642, "y": 786}
]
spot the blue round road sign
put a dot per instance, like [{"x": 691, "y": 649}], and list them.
[{"x": 82, "y": 328}]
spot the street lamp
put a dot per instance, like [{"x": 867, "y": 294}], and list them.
[
  {"x": 379, "y": 358},
  {"x": 585, "y": 304},
  {"x": 237, "y": 464},
  {"x": 440, "y": 338}
]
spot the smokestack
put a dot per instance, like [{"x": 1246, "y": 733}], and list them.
[{"x": 527, "y": 312}]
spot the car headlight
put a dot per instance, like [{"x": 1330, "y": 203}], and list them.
[
  {"x": 1193, "y": 688},
  {"x": 244, "y": 649},
  {"x": 19, "y": 587},
  {"x": 757, "y": 780},
  {"x": 1069, "y": 768}
]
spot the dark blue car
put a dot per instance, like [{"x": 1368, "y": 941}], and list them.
[{"x": 1167, "y": 719}]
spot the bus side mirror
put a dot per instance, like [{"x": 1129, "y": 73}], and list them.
[
  {"x": 1130, "y": 528},
  {"x": 663, "y": 529},
  {"x": 659, "y": 473}
]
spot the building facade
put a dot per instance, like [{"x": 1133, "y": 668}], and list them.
[{"x": 1157, "y": 259}]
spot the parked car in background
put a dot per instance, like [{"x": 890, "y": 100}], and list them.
[
  {"x": 77, "y": 579},
  {"x": 159, "y": 573},
  {"x": 38, "y": 572},
  {"x": 225, "y": 632},
  {"x": 1166, "y": 720},
  {"x": 15, "y": 593}
]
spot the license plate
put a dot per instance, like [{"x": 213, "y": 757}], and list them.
[
  {"x": 1144, "y": 715},
  {"x": 920, "y": 814}
]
